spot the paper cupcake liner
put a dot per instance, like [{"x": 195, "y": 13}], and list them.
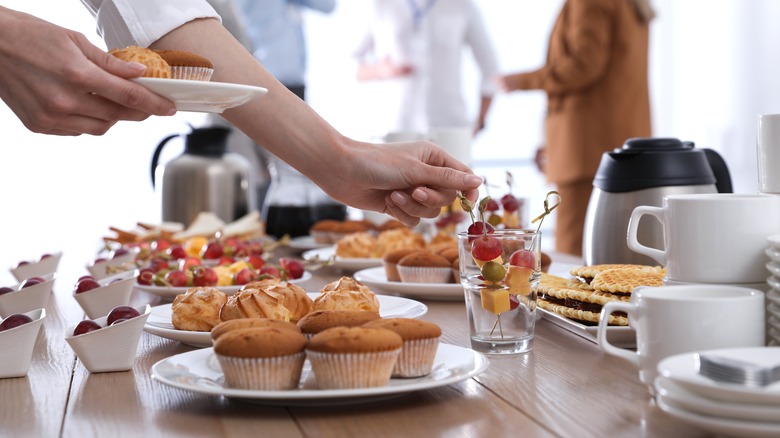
[
  {"x": 322, "y": 237},
  {"x": 416, "y": 358},
  {"x": 352, "y": 370},
  {"x": 415, "y": 274},
  {"x": 191, "y": 73},
  {"x": 263, "y": 374}
]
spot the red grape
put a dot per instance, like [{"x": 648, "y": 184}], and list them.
[
  {"x": 486, "y": 248},
  {"x": 97, "y": 261},
  {"x": 32, "y": 281},
  {"x": 161, "y": 245},
  {"x": 176, "y": 278},
  {"x": 86, "y": 326},
  {"x": 204, "y": 276},
  {"x": 158, "y": 264},
  {"x": 188, "y": 263},
  {"x": 479, "y": 228},
  {"x": 271, "y": 271},
  {"x": 119, "y": 252},
  {"x": 212, "y": 251},
  {"x": 145, "y": 276},
  {"x": 22, "y": 263},
  {"x": 14, "y": 320},
  {"x": 294, "y": 268},
  {"x": 226, "y": 261},
  {"x": 510, "y": 203},
  {"x": 121, "y": 312},
  {"x": 45, "y": 256},
  {"x": 492, "y": 205},
  {"x": 6, "y": 289},
  {"x": 176, "y": 252},
  {"x": 85, "y": 284},
  {"x": 523, "y": 258},
  {"x": 256, "y": 261},
  {"x": 244, "y": 276}
]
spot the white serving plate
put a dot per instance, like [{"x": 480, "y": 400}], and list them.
[
  {"x": 376, "y": 279},
  {"x": 199, "y": 371},
  {"x": 159, "y": 322},
  {"x": 719, "y": 426},
  {"x": 348, "y": 264},
  {"x": 169, "y": 293},
  {"x": 202, "y": 96},
  {"x": 619, "y": 336},
  {"x": 306, "y": 243}
]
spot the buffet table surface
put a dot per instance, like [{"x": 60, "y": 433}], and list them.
[{"x": 566, "y": 387}]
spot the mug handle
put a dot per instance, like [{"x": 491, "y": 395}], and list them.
[
  {"x": 608, "y": 309},
  {"x": 633, "y": 225}
]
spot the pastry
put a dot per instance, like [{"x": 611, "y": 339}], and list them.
[
  {"x": 320, "y": 320},
  {"x": 390, "y": 262},
  {"x": 347, "y": 293},
  {"x": 353, "y": 357},
  {"x": 262, "y": 359},
  {"x": 398, "y": 238},
  {"x": 273, "y": 300},
  {"x": 321, "y": 230},
  {"x": 576, "y": 300},
  {"x": 424, "y": 267},
  {"x": 242, "y": 323},
  {"x": 624, "y": 280},
  {"x": 197, "y": 309},
  {"x": 186, "y": 65},
  {"x": 156, "y": 66},
  {"x": 358, "y": 246},
  {"x": 420, "y": 342}
]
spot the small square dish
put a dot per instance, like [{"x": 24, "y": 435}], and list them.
[
  {"x": 25, "y": 297},
  {"x": 113, "y": 291},
  {"x": 17, "y": 342},
  {"x": 111, "y": 347},
  {"x": 103, "y": 268},
  {"x": 47, "y": 264}
]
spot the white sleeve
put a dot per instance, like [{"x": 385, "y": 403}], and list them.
[
  {"x": 141, "y": 22},
  {"x": 483, "y": 50}
]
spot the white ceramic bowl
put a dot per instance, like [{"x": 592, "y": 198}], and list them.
[
  {"x": 40, "y": 268},
  {"x": 107, "y": 268},
  {"x": 774, "y": 240},
  {"x": 113, "y": 291},
  {"x": 16, "y": 345},
  {"x": 773, "y": 253},
  {"x": 111, "y": 348},
  {"x": 29, "y": 298}
]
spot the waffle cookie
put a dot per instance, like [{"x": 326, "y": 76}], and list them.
[
  {"x": 583, "y": 316},
  {"x": 573, "y": 299},
  {"x": 625, "y": 280},
  {"x": 587, "y": 273}
]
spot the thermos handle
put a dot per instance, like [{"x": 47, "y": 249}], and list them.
[
  {"x": 721, "y": 171},
  {"x": 157, "y": 152},
  {"x": 606, "y": 311},
  {"x": 633, "y": 225}
]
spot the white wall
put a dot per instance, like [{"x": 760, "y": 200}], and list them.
[{"x": 713, "y": 70}]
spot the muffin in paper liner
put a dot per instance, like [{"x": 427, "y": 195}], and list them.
[
  {"x": 191, "y": 73},
  {"x": 419, "y": 274},
  {"x": 416, "y": 358},
  {"x": 352, "y": 370},
  {"x": 263, "y": 374}
]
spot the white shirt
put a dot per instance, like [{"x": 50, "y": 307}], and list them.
[
  {"x": 433, "y": 46},
  {"x": 141, "y": 22}
]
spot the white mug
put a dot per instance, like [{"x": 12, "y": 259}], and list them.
[
  {"x": 711, "y": 237},
  {"x": 768, "y": 152},
  {"x": 669, "y": 320}
]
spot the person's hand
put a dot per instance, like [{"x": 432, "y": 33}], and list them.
[
  {"x": 384, "y": 69},
  {"x": 502, "y": 83},
  {"x": 406, "y": 180},
  {"x": 57, "y": 82},
  {"x": 541, "y": 158}
]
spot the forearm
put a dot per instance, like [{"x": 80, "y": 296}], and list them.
[{"x": 280, "y": 121}]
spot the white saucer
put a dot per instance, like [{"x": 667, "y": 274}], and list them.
[
  {"x": 682, "y": 369},
  {"x": 306, "y": 242},
  {"x": 773, "y": 296},
  {"x": 202, "y": 96},
  {"x": 773, "y": 253},
  {"x": 719, "y": 426},
  {"x": 376, "y": 279},
  {"x": 347, "y": 264},
  {"x": 692, "y": 402},
  {"x": 774, "y": 240}
]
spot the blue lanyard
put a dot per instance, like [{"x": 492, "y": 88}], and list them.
[{"x": 418, "y": 13}]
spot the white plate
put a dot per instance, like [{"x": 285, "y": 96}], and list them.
[
  {"x": 701, "y": 405},
  {"x": 347, "y": 264},
  {"x": 159, "y": 322},
  {"x": 199, "y": 371},
  {"x": 719, "y": 426},
  {"x": 773, "y": 253},
  {"x": 774, "y": 335},
  {"x": 774, "y": 268},
  {"x": 171, "y": 292},
  {"x": 773, "y": 296},
  {"x": 773, "y": 309},
  {"x": 202, "y": 96},
  {"x": 774, "y": 240},
  {"x": 682, "y": 369},
  {"x": 306, "y": 242},
  {"x": 376, "y": 279},
  {"x": 619, "y": 336}
]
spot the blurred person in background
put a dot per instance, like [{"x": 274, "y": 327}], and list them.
[
  {"x": 416, "y": 48},
  {"x": 596, "y": 82}
]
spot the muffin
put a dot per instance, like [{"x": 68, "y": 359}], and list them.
[
  {"x": 347, "y": 293},
  {"x": 424, "y": 267},
  {"x": 390, "y": 224},
  {"x": 197, "y": 309},
  {"x": 390, "y": 262},
  {"x": 186, "y": 65},
  {"x": 261, "y": 359},
  {"x": 546, "y": 261},
  {"x": 321, "y": 230},
  {"x": 421, "y": 340},
  {"x": 353, "y": 357},
  {"x": 242, "y": 323},
  {"x": 456, "y": 270},
  {"x": 399, "y": 238},
  {"x": 357, "y": 246},
  {"x": 156, "y": 66},
  {"x": 348, "y": 227},
  {"x": 320, "y": 320},
  {"x": 273, "y": 300}
]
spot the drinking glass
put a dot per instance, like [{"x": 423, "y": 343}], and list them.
[{"x": 498, "y": 272}]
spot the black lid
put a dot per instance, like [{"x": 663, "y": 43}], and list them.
[
  {"x": 644, "y": 163},
  {"x": 210, "y": 141}
]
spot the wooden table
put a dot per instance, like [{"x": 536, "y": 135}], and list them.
[{"x": 566, "y": 387}]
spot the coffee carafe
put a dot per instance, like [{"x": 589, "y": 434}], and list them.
[
  {"x": 205, "y": 177},
  {"x": 642, "y": 172}
]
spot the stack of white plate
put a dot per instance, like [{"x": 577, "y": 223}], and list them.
[
  {"x": 773, "y": 294},
  {"x": 721, "y": 408}
]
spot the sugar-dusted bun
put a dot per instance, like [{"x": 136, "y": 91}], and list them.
[
  {"x": 320, "y": 320},
  {"x": 242, "y": 323},
  {"x": 347, "y": 293},
  {"x": 283, "y": 301},
  {"x": 187, "y": 65},
  {"x": 197, "y": 309},
  {"x": 156, "y": 66}
]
